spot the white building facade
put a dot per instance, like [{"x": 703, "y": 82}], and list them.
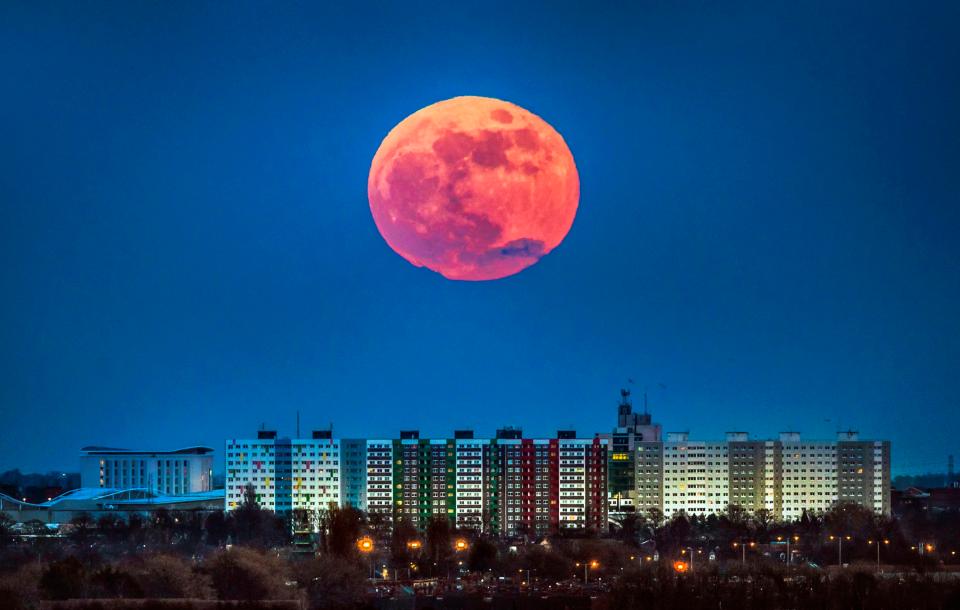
[
  {"x": 786, "y": 476},
  {"x": 177, "y": 472}
]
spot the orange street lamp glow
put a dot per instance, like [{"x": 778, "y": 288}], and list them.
[
  {"x": 594, "y": 564},
  {"x": 413, "y": 544},
  {"x": 680, "y": 566},
  {"x": 460, "y": 544},
  {"x": 365, "y": 544}
]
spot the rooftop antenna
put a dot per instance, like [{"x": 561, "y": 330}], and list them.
[
  {"x": 949, "y": 470},
  {"x": 298, "y": 423},
  {"x": 645, "y": 403}
]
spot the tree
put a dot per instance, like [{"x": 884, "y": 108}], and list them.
[
  {"x": 737, "y": 515},
  {"x": 81, "y": 526},
  {"x": 329, "y": 583},
  {"x": 674, "y": 534},
  {"x": 246, "y": 574},
  {"x": 438, "y": 538},
  {"x": 20, "y": 590},
  {"x": 403, "y": 534},
  {"x": 187, "y": 529},
  {"x": 217, "y": 527},
  {"x": 483, "y": 556},
  {"x": 112, "y": 527},
  {"x": 763, "y": 518},
  {"x": 655, "y": 516},
  {"x": 304, "y": 520},
  {"x": 108, "y": 581},
  {"x": 161, "y": 526},
  {"x": 6, "y": 528},
  {"x": 343, "y": 526},
  {"x": 255, "y": 526},
  {"x": 169, "y": 577},
  {"x": 35, "y": 527},
  {"x": 62, "y": 579},
  {"x": 628, "y": 528}
]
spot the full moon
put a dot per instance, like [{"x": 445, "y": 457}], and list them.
[{"x": 473, "y": 188}]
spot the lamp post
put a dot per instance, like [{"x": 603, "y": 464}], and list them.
[
  {"x": 885, "y": 541},
  {"x": 789, "y": 554},
  {"x": 529, "y": 581},
  {"x": 840, "y": 540},
  {"x": 586, "y": 569},
  {"x": 743, "y": 548},
  {"x": 365, "y": 546}
]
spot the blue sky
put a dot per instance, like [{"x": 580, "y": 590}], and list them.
[{"x": 767, "y": 227}]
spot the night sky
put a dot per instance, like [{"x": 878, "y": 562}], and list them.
[{"x": 768, "y": 235}]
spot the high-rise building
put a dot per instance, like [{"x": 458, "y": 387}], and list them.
[
  {"x": 551, "y": 484},
  {"x": 177, "y": 472},
  {"x": 632, "y": 429},
  {"x": 503, "y": 485},
  {"x": 380, "y": 480},
  {"x": 416, "y": 479},
  {"x": 353, "y": 472},
  {"x": 477, "y": 472},
  {"x": 787, "y": 476},
  {"x": 286, "y": 474}
]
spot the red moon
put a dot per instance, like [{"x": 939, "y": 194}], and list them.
[{"x": 473, "y": 188}]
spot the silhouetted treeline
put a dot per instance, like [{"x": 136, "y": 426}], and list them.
[
  {"x": 37, "y": 487},
  {"x": 778, "y": 588},
  {"x": 738, "y": 558}
]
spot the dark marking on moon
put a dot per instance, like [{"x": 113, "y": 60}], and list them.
[
  {"x": 523, "y": 247},
  {"x": 453, "y": 146},
  {"x": 491, "y": 150},
  {"x": 526, "y": 139},
  {"x": 501, "y": 116}
]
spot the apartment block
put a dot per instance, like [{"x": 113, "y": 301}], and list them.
[
  {"x": 286, "y": 474},
  {"x": 507, "y": 484},
  {"x": 632, "y": 429},
  {"x": 786, "y": 476}
]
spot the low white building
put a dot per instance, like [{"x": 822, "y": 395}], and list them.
[{"x": 181, "y": 471}]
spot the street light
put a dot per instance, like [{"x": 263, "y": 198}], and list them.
[
  {"x": 795, "y": 538},
  {"x": 461, "y": 544},
  {"x": 840, "y": 540},
  {"x": 743, "y": 547},
  {"x": 414, "y": 545},
  {"x": 885, "y": 541},
  {"x": 529, "y": 581},
  {"x": 365, "y": 545},
  {"x": 593, "y": 563}
]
